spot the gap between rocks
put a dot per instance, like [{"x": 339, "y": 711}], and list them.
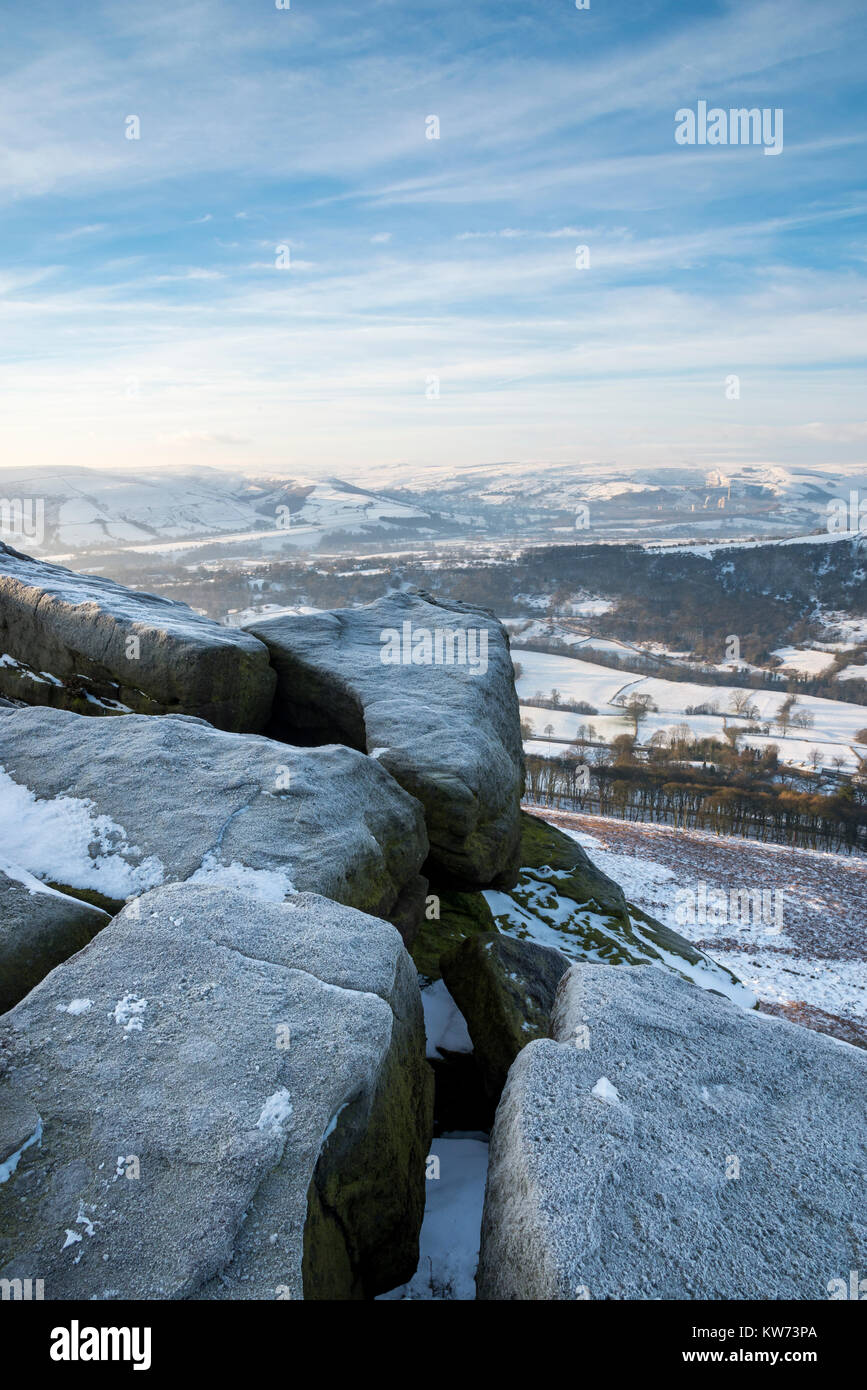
[{"x": 457, "y": 1164}]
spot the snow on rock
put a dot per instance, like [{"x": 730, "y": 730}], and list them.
[
  {"x": 444, "y": 1024},
  {"x": 110, "y": 648},
  {"x": 449, "y": 1243},
  {"x": 275, "y": 1112},
  {"x": 239, "y": 1197},
  {"x": 66, "y": 839},
  {"x": 603, "y": 1090}
]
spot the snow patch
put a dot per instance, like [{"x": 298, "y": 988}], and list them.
[
  {"x": 8, "y": 1166},
  {"x": 129, "y": 1012},
  {"x": 65, "y": 839},
  {"x": 604, "y": 1090},
  {"x": 269, "y": 885},
  {"x": 444, "y": 1025},
  {"x": 275, "y": 1113}
]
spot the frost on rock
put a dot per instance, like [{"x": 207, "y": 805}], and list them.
[
  {"x": 275, "y": 1113},
  {"x": 129, "y": 1012}
]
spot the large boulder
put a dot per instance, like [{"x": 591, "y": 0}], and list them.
[
  {"x": 117, "y": 806},
  {"x": 505, "y": 989},
  {"x": 39, "y": 928},
  {"x": 81, "y": 642},
  {"x": 218, "y": 1098},
  {"x": 379, "y": 678},
  {"x": 666, "y": 1144}
]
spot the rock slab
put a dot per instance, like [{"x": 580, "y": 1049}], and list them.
[
  {"x": 505, "y": 989},
  {"x": 118, "y": 806},
  {"x": 39, "y": 928},
  {"x": 217, "y": 1098},
  {"x": 449, "y": 732},
  {"x": 85, "y": 643},
  {"x": 681, "y": 1148}
]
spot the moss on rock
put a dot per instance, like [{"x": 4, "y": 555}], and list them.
[{"x": 460, "y": 915}]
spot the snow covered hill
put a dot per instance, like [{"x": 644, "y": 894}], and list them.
[
  {"x": 69, "y": 511},
  {"x": 595, "y": 502},
  {"x": 66, "y": 511}
]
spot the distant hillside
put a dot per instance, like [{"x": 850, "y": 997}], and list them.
[
  {"x": 78, "y": 511},
  {"x": 72, "y": 512}
]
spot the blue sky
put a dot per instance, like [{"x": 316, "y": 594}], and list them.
[{"x": 144, "y": 321}]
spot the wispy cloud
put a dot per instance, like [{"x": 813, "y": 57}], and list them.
[{"x": 453, "y": 256}]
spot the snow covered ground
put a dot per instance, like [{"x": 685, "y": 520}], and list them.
[
  {"x": 804, "y": 660},
  {"x": 832, "y": 732},
  {"x": 449, "y": 1243},
  {"x": 444, "y": 1025},
  {"x": 456, "y": 1171},
  {"x": 814, "y": 969}
]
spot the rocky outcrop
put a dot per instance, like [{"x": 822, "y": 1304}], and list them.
[
  {"x": 427, "y": 689},
  {"x": 217, "y": 1098},
  {"x": 669, "y": 1145},
  {"x": 561, "y": 899},
  {"x": 114, "y": 807},
  {"x": 39, "y": 928},
  {"x": 505, "y": 990},
  {"x": 81, "y": 642}
]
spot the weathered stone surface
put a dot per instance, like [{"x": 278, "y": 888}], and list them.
[
  {"x": 612, "y": 1165},
  {"x": 505, "y": 990},
  {"x": 81, "y": 642},
  {"x": 162, "y": 1062},
  {"x": 126, "y": 804},
  {"x": 449, "y": 733},
  {"x": 39, "y": 928}
]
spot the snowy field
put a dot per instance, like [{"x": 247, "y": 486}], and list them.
[
  {"x": 832, "y": 733},
  {"x": 804, "y": 660},
  {"x": 806, "y": 959}
]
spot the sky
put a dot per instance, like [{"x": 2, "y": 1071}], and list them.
[{"x": 285, "y": 273}]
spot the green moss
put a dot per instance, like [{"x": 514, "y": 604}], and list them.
[
  {"x": 505, "y": 990},
  {"x": 366, "y": 1202},
  {"x": 544, "y": 846},
  {"x": 602, "y": 927},
  {"x": 461, "y": 915}
]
